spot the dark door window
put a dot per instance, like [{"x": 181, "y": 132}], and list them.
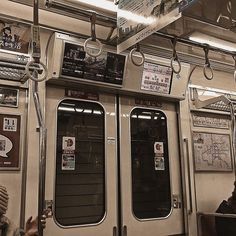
[
  {"x": 80, "y": 171},
  {"x": 151, "y": 193}
]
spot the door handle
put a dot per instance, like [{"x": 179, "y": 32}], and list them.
[
  {"x": 115, "y": 233},
  {"x": 124, "y": 233},
  {"x": 190, "y": 211}
]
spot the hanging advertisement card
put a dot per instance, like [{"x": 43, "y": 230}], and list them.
[
  {"x": 14, "y": 37},
  {"x": 139, "y": 19},
  {"x": 9, "y": 142}
]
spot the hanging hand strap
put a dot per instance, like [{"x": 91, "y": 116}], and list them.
[
  {"x": 131, "y": 54},
  {"x": 207, "y": 65},
  {"x": 175, "y": 58},
  {"x": 93, "y": 38}
]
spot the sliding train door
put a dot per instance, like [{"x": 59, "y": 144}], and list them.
[
  {"x": 95, "y": 191},
  {"x": 150, "y": 170},
  {"x": 81, "y": 164}
]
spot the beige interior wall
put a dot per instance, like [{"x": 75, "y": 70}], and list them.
[{"x": 213, "y": 187}]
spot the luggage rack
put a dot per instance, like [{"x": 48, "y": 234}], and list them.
[
  {"x": 12, "y": 67},
  {"x": 221, "y": 103}
]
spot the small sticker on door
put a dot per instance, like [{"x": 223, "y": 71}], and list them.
[
  {"x": 68, "y": 143},
  {"x": 68, "y": 162},
  {"x": 9, "y": 124},
  {"x": 159, "y": 148},
  {"x": 159, "y": 163}
]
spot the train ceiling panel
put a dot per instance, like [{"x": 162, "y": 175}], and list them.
[
  {"x": 212, "y": 17},
  {"x": 207, "y": 19}
]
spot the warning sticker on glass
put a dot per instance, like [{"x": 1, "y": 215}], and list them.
[
  {"x": 68, "y": 143},
  {"x": 68, "y": 162},
  {"x": 159, "y": 163},
  {"x": 159, "y": 148}
]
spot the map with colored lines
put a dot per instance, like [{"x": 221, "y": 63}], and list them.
[{"x": 212, "y": 152}]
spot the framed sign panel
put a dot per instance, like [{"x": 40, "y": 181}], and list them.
[
  {"x": 9, "y": 97},
  {"x": 107, "y": 68},
  {"x": 156, "y": 78},
  {"x": 212, "y": 152},
  {"x": 10, "y": 142}
]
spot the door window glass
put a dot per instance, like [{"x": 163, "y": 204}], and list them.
[
  {"x": 80, "y": 172},
  {"x": 151, "y": 193}
]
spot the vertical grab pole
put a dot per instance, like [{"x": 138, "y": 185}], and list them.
[
  {"x": 36, "y": 55},
  {"x": 42, "y": 155},
  {"x": 233, "y": 133}
]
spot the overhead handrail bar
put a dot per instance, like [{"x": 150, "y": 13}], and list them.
[
  {"x": 175, "y": 58},
  {"x": 202, "y": 104},
  {"x": 217, "y": 214},
  {"x": 93, "y": 38},
  {"x": 131, "y": 55},
  {"x": 79, "y": 13},
  {"x": 207, "y": 65},
  {"x": 192, "y": 43}
]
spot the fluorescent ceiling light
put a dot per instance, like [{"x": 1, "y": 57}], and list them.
[
  {"x": 79, "y": 109},
  {"x": 212, "y": 41},
  {"x": 110, "y": 6},
  {"x": 66, "y": 108},
  {"x": 106, "y": 5}
]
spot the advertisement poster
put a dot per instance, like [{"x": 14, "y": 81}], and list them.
[
  {"x": 9, "y": 97},
  {"x": 107, "y": 68},
  {"x": 14, "y": 37},
  {"x": 9, "y": 141},
  {"x": 139, "y": 19},
  {"x": 68, "y": 162},
  {"x": 156, "y": 78}
]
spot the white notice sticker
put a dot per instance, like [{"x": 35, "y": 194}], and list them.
[
  {"x": 68, "y": 143},
  {"x": 9, "y": 124}
]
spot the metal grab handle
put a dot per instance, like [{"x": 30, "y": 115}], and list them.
[
  {"x": 32, "y": 76},
  {"x": 176, "y": 71},
  {"x": 100, "y": 46},
  {"x": 190, "y": 211},
  {"x": 131, "y": 54}
]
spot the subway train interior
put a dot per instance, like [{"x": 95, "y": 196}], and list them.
[{"x": 117, "y": 118}]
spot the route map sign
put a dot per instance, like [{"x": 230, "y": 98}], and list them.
[{"x": 212, "y": 152}]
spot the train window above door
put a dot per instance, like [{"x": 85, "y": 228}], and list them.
[
  {"x": 151, "y": 193},
  {"x": 80, "y": 165}
]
